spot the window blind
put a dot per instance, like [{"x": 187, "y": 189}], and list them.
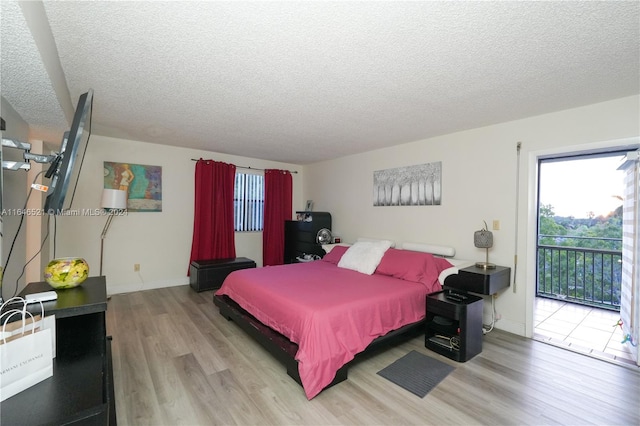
[{"x": 630, "y": 297}]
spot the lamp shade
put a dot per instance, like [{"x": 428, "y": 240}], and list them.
[
  {"x": 483, "y": 239},
  {"x": 114, "y": 199}
]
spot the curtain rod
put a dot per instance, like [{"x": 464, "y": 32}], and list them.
[{"x": 245, "y": 167}]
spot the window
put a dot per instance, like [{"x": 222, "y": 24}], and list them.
[{"x": 249, "y": 202}]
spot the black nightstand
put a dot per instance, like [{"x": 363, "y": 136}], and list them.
[
  {"x": 480, "y": 280},
  {"x": 454, "y": 324}
]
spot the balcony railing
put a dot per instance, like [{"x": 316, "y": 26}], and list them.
[{"x": 588, "y": 276}]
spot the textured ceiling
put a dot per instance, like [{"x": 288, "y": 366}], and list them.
[{"x": 301, "y": 82}]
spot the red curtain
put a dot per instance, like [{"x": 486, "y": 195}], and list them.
[
  {"x": 278, "y": 186},
  {"x": 213, "y": 234}
]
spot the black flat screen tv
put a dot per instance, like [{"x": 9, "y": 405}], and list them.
[{"x": 65, "y": 169}]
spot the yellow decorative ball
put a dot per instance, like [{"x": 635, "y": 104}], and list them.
[{"x": 67, "y": 272}]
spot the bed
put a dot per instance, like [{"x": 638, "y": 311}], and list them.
[{"x": 317, "y": 316}]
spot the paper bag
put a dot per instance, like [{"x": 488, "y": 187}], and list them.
[
  {"x": 25, "y": 361},
  {"x": 33, "y": 322},
  {"x": 26, "y": 356},
  {"x": 14, "y": 329}
]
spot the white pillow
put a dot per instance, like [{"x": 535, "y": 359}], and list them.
[
  {"x": 364, "y": 256},
  {"x": 374, "y": 240}
]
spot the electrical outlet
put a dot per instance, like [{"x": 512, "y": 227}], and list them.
[
  {"x": 136, "y": 267},
  {"x": 498, "y": 317},
  {"x": 496, "y": 225}
]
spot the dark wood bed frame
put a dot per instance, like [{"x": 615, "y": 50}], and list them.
[{"x": 285, "y": 350}]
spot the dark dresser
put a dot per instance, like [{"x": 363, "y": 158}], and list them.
[{"x": 300, "y": 235}]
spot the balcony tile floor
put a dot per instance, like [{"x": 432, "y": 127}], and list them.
[{"x": 583, "y": 329}]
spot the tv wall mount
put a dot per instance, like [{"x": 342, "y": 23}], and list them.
[{"x": 28, "y": 156}]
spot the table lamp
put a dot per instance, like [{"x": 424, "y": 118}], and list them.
[
  {"x": 484, "y": 239},
  {"x": 113, "y": 201}
]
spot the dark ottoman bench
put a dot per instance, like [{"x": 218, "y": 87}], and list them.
[{"x": 209, "y": 274}]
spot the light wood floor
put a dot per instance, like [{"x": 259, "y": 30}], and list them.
[{"x": 178, "y": 361}]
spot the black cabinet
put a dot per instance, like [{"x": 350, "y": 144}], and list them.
[
  {"x": 300, "y": 235},
  {"x": 454, "y": 324},
  {"x": 81, "y": 389}
]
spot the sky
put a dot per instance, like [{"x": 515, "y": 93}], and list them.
[{"x": 576, "y": 187}]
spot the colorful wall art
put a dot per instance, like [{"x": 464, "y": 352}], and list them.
[{"x": 143, "y": 183}]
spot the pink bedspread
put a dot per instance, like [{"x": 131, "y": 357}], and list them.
[{"x": 331, "y": 313}]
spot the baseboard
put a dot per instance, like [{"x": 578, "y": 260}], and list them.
[{"x": 129, "y": 288}]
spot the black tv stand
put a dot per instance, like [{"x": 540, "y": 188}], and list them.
[{"x": 81, "y": 390}]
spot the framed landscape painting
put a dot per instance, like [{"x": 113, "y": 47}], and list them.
[
  {"x": 419, "y": 185},
  {"x": 143, "y": 184}
]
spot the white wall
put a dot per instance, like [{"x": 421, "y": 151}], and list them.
[
  {"x": 478, "y": 183},
  {"x": 159, "y": 242},
  {"x": 36, "y": 224},
  {"x": 14, "y": 195}
]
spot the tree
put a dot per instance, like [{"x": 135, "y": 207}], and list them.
[
  {"x": 548, "y": 225},
  {"x": 580, "y": 258}
]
